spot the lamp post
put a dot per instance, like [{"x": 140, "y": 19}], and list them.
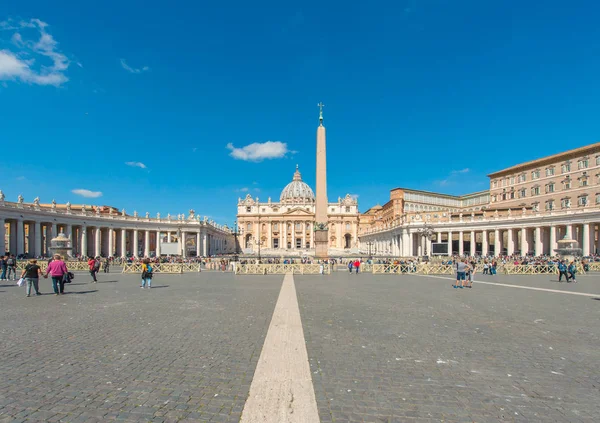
[
  {"x": 235, "y": 234},
  {"x": 427, "y": 233}
]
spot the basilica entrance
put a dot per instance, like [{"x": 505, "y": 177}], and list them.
[{"x": 347, "y": 241}]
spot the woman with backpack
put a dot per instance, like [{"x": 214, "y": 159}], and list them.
[
  {"x": 146, "y": 273},
  {"x": 572, "y": 271},
  {"x": 94, "y": 265},
  {"x": 57, "y": 269}
]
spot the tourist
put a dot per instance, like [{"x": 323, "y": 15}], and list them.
[
  {"x": 146, "y": 273},
  {"x": 3, "y": 267},
  {"x": 350, "y": 266},
  {"x": 469, "y": 275},
  {"x": 106, "y": 265},
  {"x": 94, "y": 265},
  {"x": 562, "y": 271},
  {"x": 461, "y": 268},
  {"x": 357, "y": 265},
  {"x": 31, "y": 274},
  {"x": 486, "y": 267},
  {"x": 572, "y": 270},
  {"x": 57, "y": 269},
  {"x": 11, "y": 265},
  {"x": 321, "y": 268}
]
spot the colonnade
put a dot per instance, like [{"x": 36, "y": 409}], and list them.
[
  {"x": 30, "y": 234},
  {"x": 539, "y": 239}
]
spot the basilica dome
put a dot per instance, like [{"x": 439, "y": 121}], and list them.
[{"x": 297, "y": 191}]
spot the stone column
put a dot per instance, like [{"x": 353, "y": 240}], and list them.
[
  {"x": 20, "y": 237},
  {"x": 136, "y": 246},
  {"x": 97, "y": 241},
  {"x": 147, "y": 243},
  {"x": 484, "y": 243},
  {"x": 123, "y": 242},
  {"x": 497, "y": 246},
  {"x": 169, "y": 237},
  {"x": 450, "y": 243},
  {"x": 473, "y": 243},
  {"x": 69, "y": 233},
  {"x": 37, "y": 247},
  {"x": 438, "y": 237},
  {"x": 460, "y": 243},
  {"x": 510, "y": 243},
  {"x": 552, "y": 239},
  {"x": 294, "y": 236},
  {"x": 111, "y": 240},
  {"x": 411, "y": 244},
  {"x": 303, "y": 235},
  {"x": 198, "y": 244},
  {"x": 586, "y": 239},
  {"x": 569, "y": 229},
  {"x": 48, "y": 230},
  {"x": 2, "y": 236},
  {"x": 54, "y": 231},
  {"x": 183, "y": 246},
  {"x": 539, "y": 250},
  {"x": 405, "y": 243},
  {"x": 84, "y": 241},
  {"x": 312, "y": 235},
  {"x": 524, "y": 245},
  {"x": 204, "y": 244}
]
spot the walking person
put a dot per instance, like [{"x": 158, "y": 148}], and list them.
[
  {"x": 357, "y": 265},
  {"x": 572, "y": 270},
  {"x": 350, "y": 266},
  {"x": 57, "y": 269},
  {"x": 562, "y": 271},
  {"x": 94, "y": 265},
  {"x": 322, "y": 268},
  {"x": 11, "y": 265},
  {"x": 470, "y": 273},
  {"x": 146, "y": 273},
  {"x": 461, "y": 269},
  {"x": 3, "y": 267},
  {"x": 106, "y": 265},
  {"x": 32, "y": 274}
]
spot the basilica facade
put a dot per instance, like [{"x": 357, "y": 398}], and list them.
[{"x": 287, "y": 226}]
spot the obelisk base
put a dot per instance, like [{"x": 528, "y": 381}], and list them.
[{"x": 321, "y": 241}]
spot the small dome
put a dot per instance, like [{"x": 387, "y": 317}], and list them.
[{"x": 297, "y": 191}]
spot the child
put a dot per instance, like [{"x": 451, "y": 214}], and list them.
[{"x": 146, "y": 273}]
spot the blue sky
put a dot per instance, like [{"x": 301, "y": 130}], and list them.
[{"x": 428, "y": 95}]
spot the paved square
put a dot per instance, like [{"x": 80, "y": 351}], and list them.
[{"x": 381, "y": 348}]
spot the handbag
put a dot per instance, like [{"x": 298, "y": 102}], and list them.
[{"x": 21, "y": 282}]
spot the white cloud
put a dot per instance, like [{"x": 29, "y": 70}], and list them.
[
  {"x": 20, "y": 178},
  {"x": 136, "y": 164},
  {"x": 257, "y": 151},
  {"x": 461, "y": 171},
  {"x": 244, "y": 189},
  {"x": 87, "y": 193},
  {"x": 133, "y": 70},
  {"x": 20, "y": 65}
]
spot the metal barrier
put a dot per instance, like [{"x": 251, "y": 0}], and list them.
[
  {"x": 445, "y": 269},
  {"x": 163, "y": 267},
  {"x": 281, "y": 269},
  {"x": 71, "y": 265}
]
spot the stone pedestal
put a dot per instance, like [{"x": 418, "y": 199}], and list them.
[{"x": 321, "y": 244}]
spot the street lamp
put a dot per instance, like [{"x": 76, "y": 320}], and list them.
[
  {"x": 235, "y": 234},
  {"x": 426, "y": 232}
]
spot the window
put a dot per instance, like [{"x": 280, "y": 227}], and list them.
[
  {"x": 249, "y": 227},
  {"x": 550, "y": 205},
  {"x": 582, "y": 200},
  {"x": 536, "y": 207},
  {"x": 566, "y": 167},
  {"x": 567, "y": 184},
  {"x": 550, "y": 171},
  {"x": 582, "y": 164},
  {"x": 347, "y": 226},
  {"x": 275, "y": 227},
  {"x": 583, "y": 182},
  {"x": 535, "y": 174},
  {"x": 565, "y": 203},
  {"x": 347, "y": 209},
  {"x": 264, "y": 210},
  {"x": 535, "y": 190},
  {"x": 298, "y": 226},
  {"x": 275, "y": 242},
  {"x": 493, "y": 198},
  {"x": 550, "y": 187},
  {"x": 597, "y": 198},
  {"x": 597, "y": 160},
  {"x": 512, "y": 180},
  {"x": 248, "y": 209},
  {"x": 523, "y": 193},
  {"x": 494, "y": 184}
]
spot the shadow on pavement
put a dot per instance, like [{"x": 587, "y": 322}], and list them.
[
  {"x": 81, "y": 292},
  {"x": 108, "y": 281},
  {"x": 160, "y": 286}
]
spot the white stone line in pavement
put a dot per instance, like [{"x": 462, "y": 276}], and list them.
[
  {"x": 518, "y": 286},
  {"x": 282, "y": 389}
]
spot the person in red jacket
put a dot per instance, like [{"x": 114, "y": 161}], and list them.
[
  {"x": 94, "y": 265},
  {"x": 357, "y": 265}
]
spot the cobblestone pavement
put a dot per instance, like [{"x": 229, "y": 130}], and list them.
[
  {"x": 392, "y": 348},
  {"x": 185, "y": 350}
]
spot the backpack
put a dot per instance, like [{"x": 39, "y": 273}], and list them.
[
  {"x": 10, "y": 262},
  {"x": 96, "y": 264},
  {"x": 148, "y": 269}
]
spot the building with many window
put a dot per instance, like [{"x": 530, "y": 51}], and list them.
[{"x": 528, "y": 208}]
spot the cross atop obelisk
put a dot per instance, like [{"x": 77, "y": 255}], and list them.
[{"x": 321, "y": 220}]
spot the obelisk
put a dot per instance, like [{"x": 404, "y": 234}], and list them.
[{"x": 321, "y": 221}]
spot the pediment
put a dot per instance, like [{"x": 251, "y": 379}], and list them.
[{"x": 298, "y": 212}]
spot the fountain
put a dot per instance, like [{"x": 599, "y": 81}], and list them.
[
  {"x": 568, "y": 249},
  {"x": 61, "y": 245}
]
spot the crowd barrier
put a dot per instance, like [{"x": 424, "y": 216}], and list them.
[
  {"x": 71, "y": 265},
  {"x": 163, "y": 267},
  {"x": 281, "y": 269}
]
